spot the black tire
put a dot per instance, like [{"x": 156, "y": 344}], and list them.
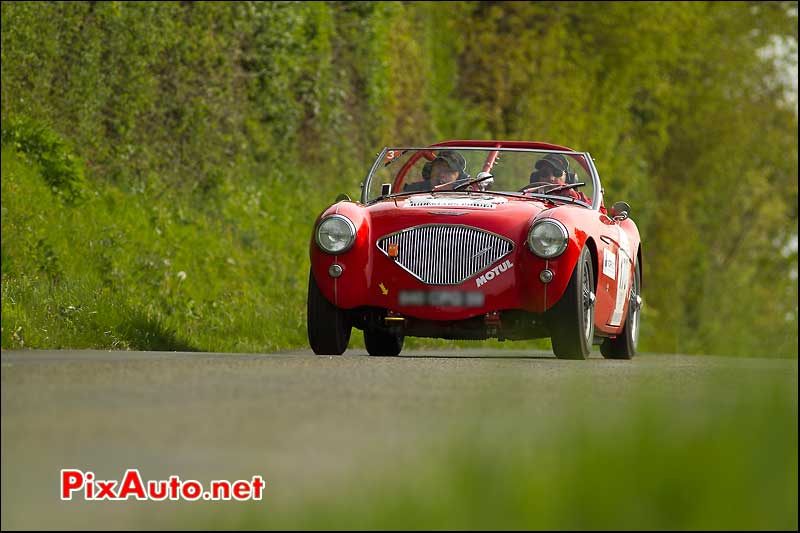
[
  {"x": 624, "y": 345},
  {"x": 328, "y": 326},
  {"x": 383, "y": 343},
  {"x": 571, "y": 320}
]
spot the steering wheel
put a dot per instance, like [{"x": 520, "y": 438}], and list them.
[
  {"x": 450, "y": 185},
  {"x": 535, "y": 185}
]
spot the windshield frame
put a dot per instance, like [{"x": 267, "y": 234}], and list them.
[{"x": 597, "y": 199}]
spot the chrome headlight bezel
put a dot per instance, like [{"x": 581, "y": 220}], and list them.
[
  {"x": 336, "y": 219},
  {"x": 544, "y": 225}
]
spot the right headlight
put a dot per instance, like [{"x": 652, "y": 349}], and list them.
[
  {"x": 335, "y": 234},
  {"x": 548, "y": 238}
]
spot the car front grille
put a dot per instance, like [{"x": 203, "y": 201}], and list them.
[{"x": 445, "y": 254}]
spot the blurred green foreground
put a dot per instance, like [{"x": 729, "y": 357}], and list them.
[
  {"x": 718, "y": 459},
  {"x": 428, "y": 440}
]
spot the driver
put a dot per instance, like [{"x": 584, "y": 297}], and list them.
[{"x": 446, "y": 167}]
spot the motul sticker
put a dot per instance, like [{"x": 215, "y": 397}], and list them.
[
  {"x": 493, "y": 273},
  {"x": 609, "y": 263}
]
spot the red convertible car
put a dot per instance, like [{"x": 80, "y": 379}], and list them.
[{"x": 473, "y": 240}]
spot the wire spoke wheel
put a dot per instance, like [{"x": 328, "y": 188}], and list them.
[
  {"x": 571, "y": 320},
  {"x": 588, "y": 305}
]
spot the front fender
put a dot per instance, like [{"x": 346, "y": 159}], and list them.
[
  {"x": 356, "y": 263},
  {"x": 539, "y": 296}
]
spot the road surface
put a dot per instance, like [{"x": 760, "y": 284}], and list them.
[{"x": 303, "y": 422}]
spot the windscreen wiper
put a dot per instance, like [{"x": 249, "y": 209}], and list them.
[
  {"x": 554, "y": 189},
  {"x": 565, "y": 187}
]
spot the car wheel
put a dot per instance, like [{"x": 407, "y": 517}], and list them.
[
  {"x": 383, "y": 343},
  {"x": 571, "y": 320},
  {"x": 328, "y": 326},
  {"x": 624, "y": 345}
]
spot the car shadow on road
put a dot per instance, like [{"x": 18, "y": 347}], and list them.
[{"x": 434, "y": 356}]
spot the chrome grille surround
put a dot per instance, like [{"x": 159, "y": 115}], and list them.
[{"x": 445, "y": 254}]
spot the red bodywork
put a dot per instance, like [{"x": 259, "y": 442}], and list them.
[{"x": 371, "y": 279}]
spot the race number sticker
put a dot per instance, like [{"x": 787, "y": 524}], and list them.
[
  {"x": 609, "y": 263},
  {"x": 391, "y": 155},
  {"x": 623, "y": 279}
]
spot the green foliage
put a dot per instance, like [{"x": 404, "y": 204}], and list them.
[
  {"x": 59, "y": 167},
  {"x": 218, "y": 130},
  {"x": 140, "y": 273}
]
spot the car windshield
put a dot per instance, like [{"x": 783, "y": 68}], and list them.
[{"x": 555, "y": 175}]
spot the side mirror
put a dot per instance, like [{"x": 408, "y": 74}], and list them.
[
  {"x": 344, "y": 197},
  {"x": 620, "y": 211}
]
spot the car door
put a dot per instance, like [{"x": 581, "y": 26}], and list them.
[
  {"x": 615, "y": 273},
  {"x": 610, "y": 275}
]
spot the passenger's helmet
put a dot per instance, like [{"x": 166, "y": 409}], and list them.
[{"x": 555, "y": 163}]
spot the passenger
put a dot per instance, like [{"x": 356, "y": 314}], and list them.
[{"x": 553, "y": 169}]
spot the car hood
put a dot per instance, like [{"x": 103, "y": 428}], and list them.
[{"x": 505, "y": 216}]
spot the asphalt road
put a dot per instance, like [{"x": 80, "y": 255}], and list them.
[{"x": 302, "y": 422}]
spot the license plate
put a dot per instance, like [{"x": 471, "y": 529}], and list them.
[{"x": 441, "y": 298}]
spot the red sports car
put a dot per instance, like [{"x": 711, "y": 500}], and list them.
[{"x": 477, "y": 239}]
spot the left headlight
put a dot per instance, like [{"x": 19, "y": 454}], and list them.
[
  {"x": 548, "y": 238},
  {"x": 335, "y": 234}
]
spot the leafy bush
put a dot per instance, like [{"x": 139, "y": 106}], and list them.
[
  {"x": 60, "y": 168},
  {"x": 179, "y": 110}
]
